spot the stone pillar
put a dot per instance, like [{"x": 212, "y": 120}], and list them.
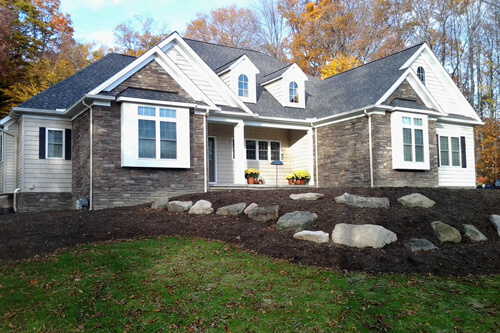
[{"x": 239, "y": 154}]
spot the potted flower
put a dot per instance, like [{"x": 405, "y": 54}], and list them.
[
  {"x": 302, "y": 177},
  {"x": 251, "y": 175},
  {"x": 291, "y": 178}
]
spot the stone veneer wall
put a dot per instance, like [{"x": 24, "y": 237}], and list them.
[
  {"x": 116, "y": 186},
  {"x": 383, "y": 174},
  {"x": 343, "y": 158},
  {"x": 36, "y": 202},
  {"x": 81, "y": 156},
  {"x": 405, "y": 91}
]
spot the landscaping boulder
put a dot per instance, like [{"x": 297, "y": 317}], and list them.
[
  {"x": 312, "y": 236},
  {"x": 358, "y": 201},
  {"x": 296, "y": 221},
  {"x": 201, "y": 207},
  {"x": 446, "y": 233},
  {"x": 232, "y": 210},
  {"x": 250, "y": 208},
  {"x": 419, "y": 244},
  {"x": 160, "y": 203},
  {"x": 179, "y": 206},
  {"x": 495, "y": 220},
  {"x": 416, "y": 200},
  {"x": 263, "y": 214},
  {"x": 364, "y": 235},
  {"x": 306, "y": 196},
  {"x": 473, "y": 233}
]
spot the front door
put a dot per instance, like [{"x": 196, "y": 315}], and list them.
[{"x": 211, "y": 160}]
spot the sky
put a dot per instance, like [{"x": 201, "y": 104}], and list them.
[{"x": 94, "y": 20}]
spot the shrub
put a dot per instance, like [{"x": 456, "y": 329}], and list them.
[
  {"x": 252, "y": 173},
  {"x": 302, "y": 174}
]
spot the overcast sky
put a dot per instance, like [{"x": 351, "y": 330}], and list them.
[{"x": 94, "y": 20}]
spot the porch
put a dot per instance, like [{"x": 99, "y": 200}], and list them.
[{"x": 232, "y": 148}]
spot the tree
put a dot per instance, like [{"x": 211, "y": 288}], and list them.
[
  {"x": 229, "y": 26},
  {"x": 488, "y": 150},
  {"x": 274, "y": 28},
  {"x": 138, "y": 35}
]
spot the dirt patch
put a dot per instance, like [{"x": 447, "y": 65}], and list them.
[{"x": 24, "y": 236}]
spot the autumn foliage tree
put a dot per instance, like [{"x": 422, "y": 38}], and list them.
[{"x": 488, "y": 150}]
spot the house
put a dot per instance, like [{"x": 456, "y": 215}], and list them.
[{"x": 189, "y": 116}]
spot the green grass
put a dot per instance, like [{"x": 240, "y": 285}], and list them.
[{"x": 179, "y": 284}]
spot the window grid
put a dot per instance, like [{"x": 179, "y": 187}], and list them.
[
  {"x": 450, "y": 151},
  {"x": 243, "y": 85},
  {"x": 251, "y": 149},
  {"x": 421, "y": 74},
  {"x": 263, "y": 150},
  {"x": 55, "y": 143},
  {"x": 152, "y": 146},
  {"x": 1, "y": 147},
  {"x": 293, "y": 92},
  {"x": 275, "y": 151},
  {"x": 444, "y": 148},
  {"x": 455, "y": 151},
  {"x": 413, "y": 139}
]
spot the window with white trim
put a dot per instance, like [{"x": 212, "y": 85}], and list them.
[
  {"x": 1, "y": 147},
  {"x": 421, "y": 74},
  {"x": 243, "y": 85},
  {"x": 262, "y": 150},
  {"x": 293, "y": 92},
  {"x": 55, "y": 143},
  {"x": 410, "y": 141},
  {"x": 153, "y": 136},
  {"x": 452, "y": 151}
]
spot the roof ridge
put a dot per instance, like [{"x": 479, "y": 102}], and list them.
[
  {"x": 232, "y": 47},
  {"x": 230, "y": 61},
  {"x": 279, "y": 69},
  {"x": 371, "y": 62}
]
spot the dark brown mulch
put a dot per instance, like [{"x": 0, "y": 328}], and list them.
[{"x": 24, "y": 236}]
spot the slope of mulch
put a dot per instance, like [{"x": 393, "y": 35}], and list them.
[{"x": 23, "y": 236}]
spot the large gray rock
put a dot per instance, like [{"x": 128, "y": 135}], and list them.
[
  {"x": 201, "y": 207},
  {"x": 232, "y": 210},
  {"x": 179, "y": 206},
  {"x": 296, "y": 221},
  {"x": 263, "y": 214},
  {"x": 358, "y": 201},
  {"x": 445, "y": 232},
  {"x": 473, "y": 233},
  {"x": 312, "y": 236},
  {"x": 160, "y": 203},
  {"x": 365, "y": 235},
  {"x": 306, "y": 196},
  {"x": 495, "y": 220},
  {"x": 416, "y": 200},
  {"x": 419, "y": 244},
  {"x": 250, "y": 207}
]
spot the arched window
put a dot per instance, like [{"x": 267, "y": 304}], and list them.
[
  {"x": 243, "y": 85},
  {"x": 421, "y": 74},
  {"x": 293, "y": 92}
]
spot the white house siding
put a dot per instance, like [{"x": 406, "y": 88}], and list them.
[
  {"x": 43, "y": 175},
  {"x": 20, "y": 152},
  {"x": 194, "y": 73},
  {"x": 294, "y": 147},
  {"x": 9, "y": 161},
  {"x": 444, "y": 97},
  {"x": 276, "y": 89},
  {"x": 457, "y": 176}
]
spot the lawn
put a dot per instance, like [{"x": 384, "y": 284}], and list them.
[{"x": 185, "y": 284}]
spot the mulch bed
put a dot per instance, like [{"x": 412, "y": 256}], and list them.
[{"x": 24, "y": 236}]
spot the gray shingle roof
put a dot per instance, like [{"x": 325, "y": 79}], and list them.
[{"x": 65, "y": 93}]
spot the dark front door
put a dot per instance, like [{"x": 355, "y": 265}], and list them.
[{"x": 211, "y": 160}]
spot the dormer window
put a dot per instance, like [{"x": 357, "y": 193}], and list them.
[
  {"x": 421, "y": 74},
  {"x": 242, "y": 85},
  {"x": 293, "y": 92}
]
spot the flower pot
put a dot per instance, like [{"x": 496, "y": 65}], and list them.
[
  {"x": 290, "y": 181},
  {"x": 299, "y": 182},
  {"x": 251, "y": 180}
]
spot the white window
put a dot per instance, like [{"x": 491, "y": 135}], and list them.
[
  {"x": 262, "y": 150},
  {"x": 293, "y": 92},
  {"x": 421, "y": 74},
  {"x": 243, "y": 85},
  {"x": 410, "y": 141},
  {"x": 1, "y": 147},
  {"x": 449, "y": 151},
  {"x": 155, "y": 136},
  {"x": 55, "y": 143}
]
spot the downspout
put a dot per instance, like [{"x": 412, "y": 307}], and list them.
[
  {"x": 91, "y": 192},
  {"x": 316, "y": 154},
  {"x": 370, "y": 145},
  {"x": 205, "y": 167},
  {"x": 15, "y": 199},
  {"x": 16, "y": 162}
]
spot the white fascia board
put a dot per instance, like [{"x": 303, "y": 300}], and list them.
[
  {"x": 414, "y": 56},
  {"x": 126, "y": 72},
  {"x": 458, "y": 121},
  {"x": 155, "y": 102},
  {"x": 5, "y": 120},
  {"x": 241, "y": 59},
  {"x": 393, "y": 88},
  {"x": 291, "y": 71},
  {"x": 182, "y": 79},
  {"x": 423, "y": 92},
  {"x": 257, "y": 122},
  {"x": 213, "y": 78}
]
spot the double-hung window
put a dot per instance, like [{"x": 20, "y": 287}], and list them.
[
  {"x": 55, "y": 143},
  {"x": 155, "y": 136},
  {"x": 410, "y": 142},
  {"x": 262, "y": 150},
  {"x": 452, "y": 151}
]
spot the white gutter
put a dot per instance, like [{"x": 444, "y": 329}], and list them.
[
  {"x": 370, "y": 145},
  {"x": 91, "y": 184}
]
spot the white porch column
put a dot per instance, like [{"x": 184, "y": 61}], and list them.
[
  {"x": 310, "y": 157},
  {"x": 239, "y": 154}
]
